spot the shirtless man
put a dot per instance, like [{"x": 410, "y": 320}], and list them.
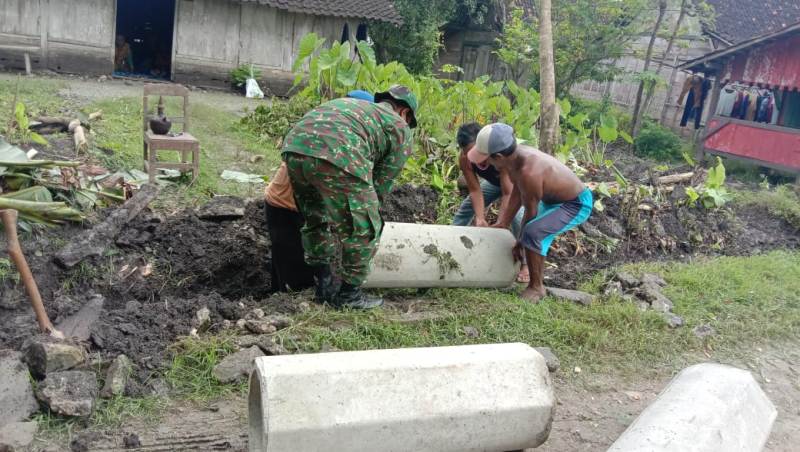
[{"x": 555, "y": 200}]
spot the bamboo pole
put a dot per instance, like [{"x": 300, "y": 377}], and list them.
[{"x": 9, "y": 219}]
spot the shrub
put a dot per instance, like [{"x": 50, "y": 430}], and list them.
[
  {"x": 240, "y": 75},
  {"x": 657, "y": 142},
  {"x": 273, "y": 120}
]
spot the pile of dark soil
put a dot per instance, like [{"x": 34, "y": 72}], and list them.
[{"x": 161, "y": 271}]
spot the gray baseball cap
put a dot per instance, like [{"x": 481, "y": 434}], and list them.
[{"x": 492, "y": 139}]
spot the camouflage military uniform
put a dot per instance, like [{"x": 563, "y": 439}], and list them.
[{"x": 342, "y": 157}]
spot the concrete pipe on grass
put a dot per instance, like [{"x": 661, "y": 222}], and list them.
[
  {"x": 430, "y": 255},
  {"x": 487, "y": 398},
  {"x": 706, "y": 408}
]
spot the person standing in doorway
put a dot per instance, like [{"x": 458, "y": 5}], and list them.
[{"x": 123, "y": 57}]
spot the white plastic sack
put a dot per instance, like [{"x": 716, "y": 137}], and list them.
[{"x": 252, "y": 89}]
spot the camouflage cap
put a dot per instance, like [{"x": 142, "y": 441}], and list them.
[{"x": 403, "y": 95}]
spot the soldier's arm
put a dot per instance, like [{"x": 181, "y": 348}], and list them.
[{"x": 387, "y": 170}]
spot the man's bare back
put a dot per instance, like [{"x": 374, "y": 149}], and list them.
[{"x": 542, "y": 177}]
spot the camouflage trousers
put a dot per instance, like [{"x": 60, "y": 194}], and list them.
[{"x": 335, "y": 203}]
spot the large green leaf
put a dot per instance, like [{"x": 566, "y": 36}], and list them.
[
  {"x": 716, "y": 175},
  {"x": 565, "y": 107},
  {"x": 308, "y": 45},
  {"x": 367, "y": 54},
  {"x": 10, "y": 153},
  {"x": 21, "y": 117},
  {"x": 607, "y": 134},
  {"x": 346, "y": 77}
]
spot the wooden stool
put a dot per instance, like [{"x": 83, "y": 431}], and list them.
[{"x": 182, "y": 142}]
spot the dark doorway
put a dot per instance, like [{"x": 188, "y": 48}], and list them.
[{"x": 143, "y": 45}]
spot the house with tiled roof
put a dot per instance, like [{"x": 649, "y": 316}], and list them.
[
  {"x": 739, "y": 20},
  {"x": 189, "y": 41}
]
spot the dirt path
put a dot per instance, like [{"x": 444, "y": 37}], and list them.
[
  {"x": 87, "y": 90},
  {"x": 591, "y": 413}
]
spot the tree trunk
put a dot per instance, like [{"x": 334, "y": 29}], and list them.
[
  {"x": 684, "y": 6},
  {"x": 548, "y": 132},
  {"x": 637, "y": 107}
]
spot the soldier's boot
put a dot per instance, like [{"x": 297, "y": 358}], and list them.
[
  {"x": 353, "y": 297},
  {"x": 326, "y": 286}
]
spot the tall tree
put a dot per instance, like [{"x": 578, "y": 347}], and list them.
[
  {"x": 548, "y": 132},
  {"x": 646, "y": 77},
  {"x": 670, "y": 43}
]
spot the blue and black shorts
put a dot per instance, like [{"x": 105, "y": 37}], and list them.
[{"x": 554, "y": 219}]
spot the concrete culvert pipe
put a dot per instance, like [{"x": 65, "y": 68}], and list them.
[
  {"x": 429, "y": 255},
  {"x": 486, "y": 398},
  {"x": 706, "y": 408}
]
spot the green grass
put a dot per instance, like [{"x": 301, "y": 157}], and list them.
[
  {"x": 746, "y": 299},
  {"x": 190, "y": 371},
  {"x": 223, "y": 146},
  {"x": 782, "y": 202},
  {"x": 112, "y": 413},
  {"x": 40, "y": 97}
]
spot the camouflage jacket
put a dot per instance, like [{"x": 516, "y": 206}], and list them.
[{"x": 369, "y": 141}]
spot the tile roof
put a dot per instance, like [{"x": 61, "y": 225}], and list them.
[
  {"x": 739, "y": 20},
  {"x": 380, "y": 10}
]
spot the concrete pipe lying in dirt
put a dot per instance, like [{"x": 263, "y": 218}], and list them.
[
  {"x": 429, "y": 255},
  {"x": 706, "y": 408},
  {"x": 495, "y": 397}
]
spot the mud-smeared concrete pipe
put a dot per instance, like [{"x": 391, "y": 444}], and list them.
[
  {"x": 429, "y": 255},
  {"x": 495, "y": 397},
  {"x": 706, "y": 408}
]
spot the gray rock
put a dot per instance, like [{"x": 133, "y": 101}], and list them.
[
  {"x": 16, "y": 394},
  {"x": 575, "y": 296},
  {"x": 79, "y": 325},
  {"x": 613, "y": 288},
  {"x": 328, "y": 348},
  {"x": 642, "y": 305},
  {"x": 613, "y": 228},
  {"x": 650, "y": 278},
  {"x": 260, "y": 327},
  {"x": 158, "y": 387},
  {"x": 236, "y": 366},
  {"x": 658, "y": 301},
  {"x": 263, "y": 342},
  {"x": 552, "y": 360},
  {"x": 704, "y": 330},
  {"x": 257, "y": 313},
  {"x": 221, "y": 208},
  {"x": 241, "y": 324},
  {"x": 117, "y": 377},
  {"x": 591, "y": 230},
  {"x": 17, "y": 435},
  {"x": 44, "y": 355},
  {"x": 279, "y": 321},
  {"x": 133, "y": 306},
  {"x": 471, "y": 332},
  {"x": 627, "y": 280},
  {"x": 10, "y": 298},
  {"x": 673, "y": 321},
  {"x": 202, "y": 319},
  {"x": 276, "y": 350},
  {"x": 69, "y": 393}
]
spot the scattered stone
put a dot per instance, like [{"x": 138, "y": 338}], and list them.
[
  {"x": 202, "y": 319},
  {"x": 10, "y": 299},
  {"x": 102, "y": 78},
  {"x": 16, "y": 394},
  {"x": 264, "y": 342},
  {"x": 550, "y": 358},
  {"x": 575, "y": 296},
  {"x": 133, "y": 306},
  {"x": 471, "y": 332},
  {"x": 158, "y": 387},
  {"x": 591, "y": 230},
  {"x": 236, "y": 366},
  {"x": 328, "y": 348},
  {"x": 227, "y": 324},
  {"x": 613, "y": 288},
  {"x": 633, "y": 395},
  {"x": 117, "y": 377},
  {"x": 79, "y": 325},
  {"x": 256, "y": 158},
  {"x": 69, "y": 393},
  {"x": 17, "y": 435},
  {"x": 642, "y": 305},
  {"x": 304, "y": 306},
  {"x": 612, "y": 227},
  {"x": 276, "y": 350},
  {"x": 221, "y": 208},
  {"x": 131, "y": 441},
  {"x": 577, "y": 370},
  {"x": 257, "y": 313},
  {"x": 260, "y": 326},
  {"x": 45, "y": 355},
  {"x": 704, "y": 330},
  {"x": 658, "y": 301},
  {"x": 650, "y": 278},
  {"x": 241, "y": 324},
  {"x": 673, "y": 321},
  {"x": 279, "y": 321},
  {"x": 627, "y": 280},
  {"x": 83, "y": 441}
]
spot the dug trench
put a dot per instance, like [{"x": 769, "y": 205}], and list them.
[{"x": 163, "y": 268}]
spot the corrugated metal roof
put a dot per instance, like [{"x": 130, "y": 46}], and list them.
[
  {"x": 740, "y": 20},
  {"x": 380, "y": 10}
]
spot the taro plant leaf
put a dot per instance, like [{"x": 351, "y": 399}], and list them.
[
  {"x": 308, "y": 45},
  {"x": 565, "y": 107},
  {"x": 625, "y": 136},
  {"x": 602, "y": 188},
  {"x": 691, "y": 196},
  {"x": 607, "y": 134},
  {"x": 38, "y": 139},
  {"x": 598, "y": 205},
  {"x": 346, "y": 77},
  {"x": 687, "y": 157},
  {"x": 21, "y": 117},
  {"x": 578, "y": 121},
  {"x": 367, "y": 54},
  {"x": 716, "y": 175}
]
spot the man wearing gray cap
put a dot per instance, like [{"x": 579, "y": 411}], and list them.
[{"x": 555, "y": 200}]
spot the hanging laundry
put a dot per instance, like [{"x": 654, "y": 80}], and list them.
[
  {"x": 697, "y": 89},
  {"x": 727, "y": 99}
]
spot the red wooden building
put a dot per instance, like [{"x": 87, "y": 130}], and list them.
[{"x": 763, "y": 72}]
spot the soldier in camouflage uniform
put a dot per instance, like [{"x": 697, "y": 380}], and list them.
[{"x": 342, "y": 158}]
